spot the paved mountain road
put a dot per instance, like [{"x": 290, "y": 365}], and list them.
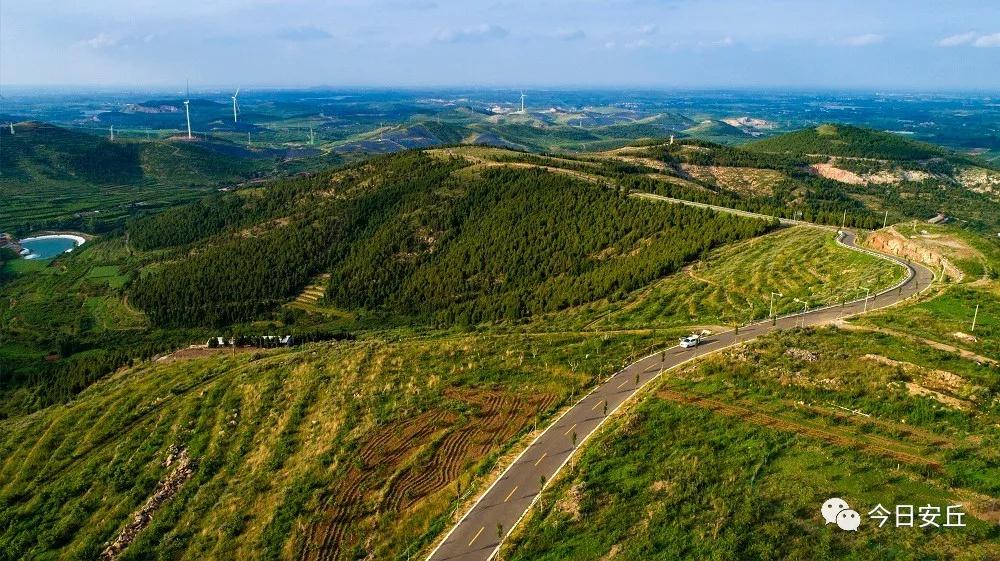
[{"x": 476, "y": 537}]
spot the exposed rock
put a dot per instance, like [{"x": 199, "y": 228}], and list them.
[
  {"x": 570, "y": 502},
  {"x": 891, "y": 241},
  {"x": 801, "y": 354},
  {"x": 965, "y": 337},
  {"x": 166, "y": 489}
]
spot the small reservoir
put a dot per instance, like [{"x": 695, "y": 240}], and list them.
[{"x": 49, "y": 246}]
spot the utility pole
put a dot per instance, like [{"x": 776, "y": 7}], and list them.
[
  {"x": 885, "y": 221},
  {"x": 112, "y": 133},
  {"x": 770, "y": 314},
  {"x": 867, "y": 293},
  {"x": 975, "y": 316},
  {"x": 843, "y": 223}
]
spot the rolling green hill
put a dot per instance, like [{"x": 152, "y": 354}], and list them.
[
  {"x": 849, "y": 141},
  {"x": 52, "y": 177},
  {"x": 417, "y": 236},
  {"x": 466, "y": 279},
  {"x": 716, "y": 131}
]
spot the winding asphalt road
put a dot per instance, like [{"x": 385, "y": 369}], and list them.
[{"x": 477, "y": 536}]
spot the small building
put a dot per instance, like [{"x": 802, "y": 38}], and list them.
[{"x": 939, "y": 219}]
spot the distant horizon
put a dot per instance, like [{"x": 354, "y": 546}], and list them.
[
  {"x": 744, "y": 44},
  {"x": 21, "y": 89}
]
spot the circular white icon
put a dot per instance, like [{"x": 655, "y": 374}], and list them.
[
  {"x": 831, "y": 508},
  {"x": 849, "y": 520}
]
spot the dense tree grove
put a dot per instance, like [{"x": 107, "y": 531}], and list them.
[
  {"x": 503, "y": 243},
  {"x": 6, "y": 254},
  {"x": 211, "y": 215},
  {"x": 720, "y": 155},
  {"x": 813, "y": 200},
  {"x": 239, "y": 277},
  {"x": 522, "y": 242}
]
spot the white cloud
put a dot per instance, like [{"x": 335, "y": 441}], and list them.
[
  {"x": 988, "y": 40},
  {"x": 724, "y": 42},
  {"x": 862, "y": 40},
  {"x": 956, "y": 40},
  {"x": 100, "y": 41},
  {"x": 483, "y": 32},
  {"x": 649, "y": 29}
]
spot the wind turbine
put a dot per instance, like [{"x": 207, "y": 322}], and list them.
[
  {"x": 522, "y": 101},
  {"x": 234, "y": 104},
  {"x": 112, "y": 133},
  {"x": 187, "y": 110}
]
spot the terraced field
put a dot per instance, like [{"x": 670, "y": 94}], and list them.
[
  {"x": 329, "y": 451},
  {"x": 388, "y": 477}
]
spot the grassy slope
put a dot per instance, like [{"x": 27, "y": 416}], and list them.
[
  {"x": 675, "y": 479},
  {"x": 277, "y": 437},
  {"x": 734, "y": 283},
  {"x": 744, "y": 475},
  {"x": 947, "y": 316}
]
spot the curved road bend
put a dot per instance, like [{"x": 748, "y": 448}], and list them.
[{"x": 475, "y": 536}]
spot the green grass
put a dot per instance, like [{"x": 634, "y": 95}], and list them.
[
  {"x": 677, "y": 481},
  {"x": 949, "y": 313},
  {"x": 108, "y": 275},
  {"x": 735, "y": 282},
  {"x": 110, "y": 313},
  {"x": 273, "y": 433},
  {"x": 19, "y": 266}
]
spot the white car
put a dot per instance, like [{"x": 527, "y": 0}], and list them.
[{"x": 690, "y": 341}]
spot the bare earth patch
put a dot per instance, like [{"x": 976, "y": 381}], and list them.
[
  {"x": 747, "y": 181},
  {"x": 164, "y": 491}
]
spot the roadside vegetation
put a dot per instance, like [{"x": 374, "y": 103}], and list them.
[
  {"x": 732, "y": 285},
  {"x": 733, "y": 457}
]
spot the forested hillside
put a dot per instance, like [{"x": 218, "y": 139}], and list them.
[
  {"x": 408, "y": 235},
  {"x": 851, "y": 141}
]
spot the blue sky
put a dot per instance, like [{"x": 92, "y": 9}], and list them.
[{"x": 872, "y": 44}]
